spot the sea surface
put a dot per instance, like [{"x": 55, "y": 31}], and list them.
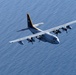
[{"x": 39, "y": 58}]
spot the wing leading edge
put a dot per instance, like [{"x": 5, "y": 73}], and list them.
[{"x": 43, "y": 32}]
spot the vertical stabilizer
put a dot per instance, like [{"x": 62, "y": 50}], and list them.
[{"x": 29, "y": 22}]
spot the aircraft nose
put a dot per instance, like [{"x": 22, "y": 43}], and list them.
[{"x": 57, "y": 42}]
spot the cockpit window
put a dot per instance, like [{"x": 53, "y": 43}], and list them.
[{"x": 54, "y": 38}]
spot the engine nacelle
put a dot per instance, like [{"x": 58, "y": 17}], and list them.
[
  {"x": 38, "y": 37},
  {"x": 68, "y": 27},
  {"x": 57, "y": 31},
  {"x": 30, "y": 40},
  {"x": 20, "y": 42},
  {"x": 64, "y": 29}
]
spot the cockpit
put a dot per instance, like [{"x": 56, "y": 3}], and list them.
[{"x": 55, "y": 40}]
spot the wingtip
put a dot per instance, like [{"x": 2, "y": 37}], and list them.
[{"x": 10, "y": 42}]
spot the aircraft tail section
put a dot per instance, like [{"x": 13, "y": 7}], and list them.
[
  {"x": 29, "y": 21},
  {"x": 29, "y": 24}
]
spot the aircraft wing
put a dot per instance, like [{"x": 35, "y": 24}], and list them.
[
  {"x": 61, "y": 26},
  {"x": 27, "y": 37},
  {"x": 43, "y": 32}
]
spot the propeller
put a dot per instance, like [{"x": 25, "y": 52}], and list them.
[
  {"x": 56, "y": 32},
  {"x": 39, "y": 37},
  {"x": 31, "y": 40},
  {"x": 64, "y": 29}
]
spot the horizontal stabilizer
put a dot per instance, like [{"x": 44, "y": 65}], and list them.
[
  {"x": 38, "y": 24},
  {"x": 22, "y": 29}
]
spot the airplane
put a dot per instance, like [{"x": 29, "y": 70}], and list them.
[{"x": 46, "y": 35}]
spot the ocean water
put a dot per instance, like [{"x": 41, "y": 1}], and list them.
[{"x": 40, "y": 58}]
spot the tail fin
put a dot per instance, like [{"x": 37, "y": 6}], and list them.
[{"x": 29, "y": 22}]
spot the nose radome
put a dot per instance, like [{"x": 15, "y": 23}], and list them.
[{"x": 58, "y": 41}]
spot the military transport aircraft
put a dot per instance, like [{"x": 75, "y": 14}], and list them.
[{"x": 45, "y": 35}]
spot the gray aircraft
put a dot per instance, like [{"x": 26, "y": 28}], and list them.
[{"x": 45, "y": 35}]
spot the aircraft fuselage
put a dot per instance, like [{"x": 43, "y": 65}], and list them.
[{"x": 47, "y": 37}]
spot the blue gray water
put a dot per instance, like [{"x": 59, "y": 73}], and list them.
[{"x": 40, "y": 58}]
